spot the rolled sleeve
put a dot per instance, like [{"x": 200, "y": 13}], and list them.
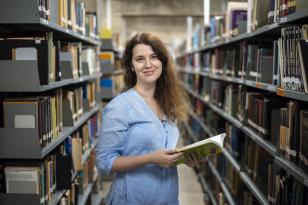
[{"x": 111, "y": 143}]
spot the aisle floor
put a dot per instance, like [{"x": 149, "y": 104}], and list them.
[{"x": 190, "y": 189}]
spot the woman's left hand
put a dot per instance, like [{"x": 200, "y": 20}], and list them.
[{"x": 192, "y": 160}]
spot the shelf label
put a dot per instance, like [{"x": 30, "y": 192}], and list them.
[
  {"x": 271, "y": 87},
  {"x": 281, "y": 92},
  {"x": 44, "y": 21},
  {"x": 273, "y": 25},
  {"x": 283, "y": 20}
]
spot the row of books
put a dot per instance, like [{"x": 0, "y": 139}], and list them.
[
  {"x": 45, "y": 114},
  {"x": 281, "y": 8},
  {"x": 282, "y": 63},
  {"x": 55, "y": 61},
  {"x": 69, "y": 14},
  {"x": 277, "y": 120},
  {"x": 55, "y": 171},
  {"x": 242, "y": 17},
  {"x": 274, "y": 183},
  {"x": 237, "y": 188}
]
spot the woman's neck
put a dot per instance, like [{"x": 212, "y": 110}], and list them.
[{"x": 146, "y": 91}]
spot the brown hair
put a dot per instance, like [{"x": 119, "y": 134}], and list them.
[{"x": 169, "y": 93}]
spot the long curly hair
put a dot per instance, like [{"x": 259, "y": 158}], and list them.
[{"x": 169, "y": 93}]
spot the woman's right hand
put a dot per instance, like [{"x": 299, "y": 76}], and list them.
[{"x": 164, "y": 158}]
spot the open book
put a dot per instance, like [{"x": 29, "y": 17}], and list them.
[{"x": 204, "y": 148}]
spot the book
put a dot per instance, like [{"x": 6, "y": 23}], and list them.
[{"x": 204, "y": 148}]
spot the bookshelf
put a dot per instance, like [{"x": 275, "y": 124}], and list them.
[
  {"x": 226, "y": 86},
  {"x": 60, "y": 79},
  {"x": 31, "y": 23},
  {"x": 206, "y": 189},
  {"x": 250, "y": 184},
  {"x": 33, "y": 198},
  {"x": 222, "y": 184},
  {"x": 258, "y": 85},
  {"x": 12, "y": 149}
]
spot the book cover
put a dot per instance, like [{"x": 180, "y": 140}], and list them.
[{"x": 204, "y": 148}]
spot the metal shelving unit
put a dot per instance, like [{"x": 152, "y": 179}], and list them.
[
  {"x": 30, "y": 24},
  {"x": 206, "y": 189},
  {"x": 247, "y": 130},
  {"x": 223, "y": 186},
  {"x": 292, "y": 169},
  {"x": 263, "y": 31},
  {"x": 259, "y": 85},
  {"x": 253, "y": 188}
]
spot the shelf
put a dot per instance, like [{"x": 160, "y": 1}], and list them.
[
  {"x": 236, "y": 166},
  {"x": 11, "y": 148},
  {"x": 292, "y": 94},
  {"x": 44, "y": 88},
  {"x": 254, "y": 189},
  {"x": 30, "y": 24},
  {"x": 87, "y": 153},
  {"x": 223, "y": 186},
  {"x": 114, "y": 73},
  {"x": 263, "y": 31},
  {"x": 297, "y": 16},
  {"x": 292, "y": 169},
  {"x": 247, "y": 130},
  {"x": 65, "y": 82},
  {"x": 258, "y": 85},
  {"x": 82, "y": 198},
  {"x": 207, "y": 189},
  {"x": 230, "y": 158},
  {"x": 56, "y": 197},
  {"x": 271, "y": 29},
  {"x": 42, "y": 25},
  {"x": 267, "y": 146},
  {"x": 270, "y": 148}
]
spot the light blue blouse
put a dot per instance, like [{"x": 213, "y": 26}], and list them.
[{"x": 130, "y": 128}]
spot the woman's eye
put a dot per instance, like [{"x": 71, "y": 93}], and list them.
[
  {"x": 154, "y": 57},
  {"x": 139, "y": 60}
]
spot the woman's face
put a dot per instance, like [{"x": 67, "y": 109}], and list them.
[{"x": 146, "y": 65}]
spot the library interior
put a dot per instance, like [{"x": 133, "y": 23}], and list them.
[{"x": 93, "y": 118}]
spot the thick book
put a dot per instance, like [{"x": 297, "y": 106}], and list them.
[{"x": 204, "y": 148}]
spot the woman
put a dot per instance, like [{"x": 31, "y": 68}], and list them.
[{"x": 139, "y": 132}]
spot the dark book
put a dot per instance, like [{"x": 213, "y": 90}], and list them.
[
  {"x": 58, "y": 61},
  {"x": 64, "y": 171},
  {"x": 293, "y": 143},
  {"x": 303, "y": 151}
]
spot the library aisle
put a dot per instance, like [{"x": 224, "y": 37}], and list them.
[
  {"x": 190, "y": 189},
  {"x": 242, "y": 63}
]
